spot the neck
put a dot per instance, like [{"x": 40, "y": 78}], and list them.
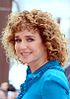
[{"x": 36, "y": 65}]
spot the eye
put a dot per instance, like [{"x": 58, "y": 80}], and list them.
[
  {"x": 17, "y": 40},
  {"x": 30, "y": 39}
]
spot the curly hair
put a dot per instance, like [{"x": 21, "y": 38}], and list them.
[{"x": 47, "y": 28}]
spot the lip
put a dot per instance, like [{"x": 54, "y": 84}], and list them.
[{"x": 25, "y": 53}]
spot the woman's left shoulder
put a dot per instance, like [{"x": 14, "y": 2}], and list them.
[
  {"x": 53, "y": 72},
  {"x": 57, "y": 76},
  {"x": 54, "y": 84}
]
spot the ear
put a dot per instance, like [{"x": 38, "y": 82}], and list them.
[{"x": 49, "y": 45}]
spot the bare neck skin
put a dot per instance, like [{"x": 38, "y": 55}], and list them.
[{"x": 36, "y": 65}]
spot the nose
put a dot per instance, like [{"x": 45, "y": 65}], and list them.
[{"x": 23, "y": 45}]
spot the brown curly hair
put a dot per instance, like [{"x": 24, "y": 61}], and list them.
[{"x": 47, "y": 27}]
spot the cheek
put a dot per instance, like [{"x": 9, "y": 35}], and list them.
[
  {"x": 16, "y": 49},
  {"x": 39, "y": 48}
]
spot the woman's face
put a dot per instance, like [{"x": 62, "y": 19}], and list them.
[{"x": 29, "y": 47}]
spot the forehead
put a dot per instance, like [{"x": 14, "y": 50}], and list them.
[
  {"x": 24, "y": 26},
  {"x": 28, "y": 32}
]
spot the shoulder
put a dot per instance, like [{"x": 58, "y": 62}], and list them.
[
  {"x": 54, "y": 82},
  {"x": 56, "y": 76}
]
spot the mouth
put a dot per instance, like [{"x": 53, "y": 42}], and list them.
[{"x": 24, "y": 54}]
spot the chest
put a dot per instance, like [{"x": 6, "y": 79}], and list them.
[{"x": 34, "y": 91}]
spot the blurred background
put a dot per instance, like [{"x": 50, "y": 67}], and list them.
[{"x": 13, "y": 71}]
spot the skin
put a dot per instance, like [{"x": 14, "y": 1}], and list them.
[
  {"x": 30, "y": 49},
  {"x": 2, "y": 95},
  {"x": 4, "y": 86}
]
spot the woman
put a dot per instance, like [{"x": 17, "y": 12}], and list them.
[
  {"x": 3, "y": 94},
  {"x": 34, "y": 38}
]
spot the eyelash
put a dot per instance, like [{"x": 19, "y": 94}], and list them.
[
  {"x": 28, "y": 39},
  {"x": 18, "y": 40}
]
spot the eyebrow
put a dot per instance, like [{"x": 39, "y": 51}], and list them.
[
  {"x": 16, "y": 36},
  {"x": 27, "y": 36},
  {"x": 30, "y": 36}
]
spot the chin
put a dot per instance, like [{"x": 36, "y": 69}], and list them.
[{"x": 25, "y": 62}]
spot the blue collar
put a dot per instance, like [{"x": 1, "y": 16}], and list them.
[
  {"x": 32, "y": 77},
  {"x": 49, "y": 65}
]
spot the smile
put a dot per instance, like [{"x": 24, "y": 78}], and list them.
[{"x": 26, "y": 53}]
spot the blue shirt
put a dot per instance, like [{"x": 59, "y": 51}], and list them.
[{"x": 48, "y": 82}]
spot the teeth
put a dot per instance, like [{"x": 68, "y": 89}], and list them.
[{"x": 27, "y": 53}]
